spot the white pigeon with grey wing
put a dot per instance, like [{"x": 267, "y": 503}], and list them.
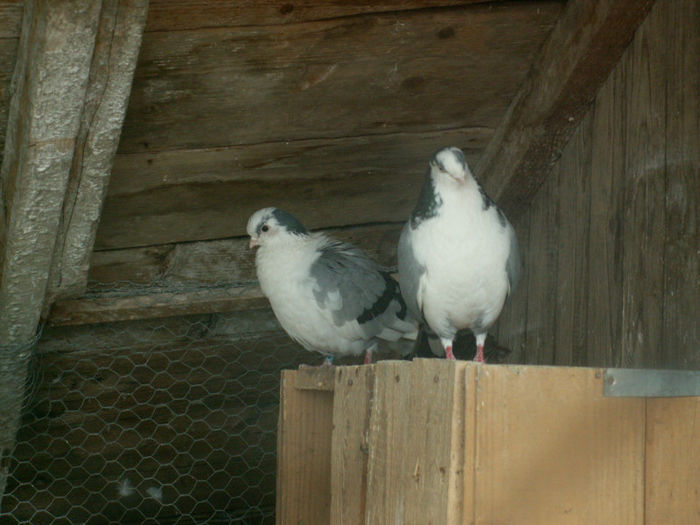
[
  {"x": 328, "y": 295},
  {"x": 458, "y": 255}
]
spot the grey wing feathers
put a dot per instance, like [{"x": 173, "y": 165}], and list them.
[
  {"x": 410, "y": 272},
  {"x": 353, "y": 286}
]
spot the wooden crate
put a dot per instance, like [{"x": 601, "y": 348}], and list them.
[{"x": 438, "y": 442}]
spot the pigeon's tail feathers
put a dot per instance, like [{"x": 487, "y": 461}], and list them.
[
  {"x": 399, "y": 330},
  {"x": 435, "y": 345},
  {"x": 404, "y": 347},
  {"x": 427, "y": 343}
]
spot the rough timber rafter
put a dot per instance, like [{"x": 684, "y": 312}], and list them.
[
  {"x": 114, "y": 61},
  {"x": 585, "y": 44},
  {"x": 58, "y": 112}
]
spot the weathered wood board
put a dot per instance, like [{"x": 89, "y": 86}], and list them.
[
  {"x": 170, "y": 15},
  {"x": 433, "y": 442},
  {"x": 341, "y": 112},
  {"x": 347, "y": 76},
  {"x": 353, "y": 400},
  {"x": 624, "y": 204},
  {"x": 672, "y": 467},
  {"x": 304, "y": 454},
  {"x": 581, "y": 50},
  {"x": 551, "y": 449}
]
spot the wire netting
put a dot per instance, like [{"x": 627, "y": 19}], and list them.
[{"x": 165, "y": 421}]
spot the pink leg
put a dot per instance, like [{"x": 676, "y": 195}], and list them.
[
  {"x": 447, "y": 345},
  {"x": 479, "y": 357},
  {"x": 480, "y": 341},
  {"x": 368, "y": 357}
]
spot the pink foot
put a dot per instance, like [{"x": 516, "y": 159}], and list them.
[
  {"x": 479, "y": 357},
  {"x": 448, "y": 353},
  {"x": 368, "y": 357}
]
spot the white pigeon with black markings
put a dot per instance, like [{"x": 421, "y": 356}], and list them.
[
  {"x": 458, "y": 255},
  {"x": 328, "y": 295}
]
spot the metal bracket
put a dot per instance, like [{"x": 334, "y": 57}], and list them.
[{"x": 622, "y": 382}]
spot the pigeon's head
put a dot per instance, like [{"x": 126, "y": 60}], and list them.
[
  {"x": 449, "y": 164},
  {"x": 271, "y": 224}
]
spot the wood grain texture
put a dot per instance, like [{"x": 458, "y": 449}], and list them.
[
  {"x": 573, "y": 257},
  {"x": 354, "y": 76},
  {"x": 583, "y": 47},
  {"x": 604, "y": 300},
  {"x": 644, "y": 219},
  {"x": 114, "y": 58},
  {"x": 10, "y": 18},
  {"x": 352, "y": 402},
  {"x": 682, "y": 201},
  {"x": 433, "y": 467},
  {"x": 48, "y": 85},
  {"x": 624, "y": 214},
  {"x": 196, "y": 195},
  {"x": 166, "y": 15},
  {"x": 673, "y": 461},
  {"x": 304, "y": 454},
  {"x": 540, "y": 254},
  {"x": 551, "y": 449},
  {"x": 151, "y": 304},
  {"x": 388, "y": 439}
]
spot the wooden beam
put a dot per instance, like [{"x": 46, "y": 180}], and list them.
[
  {"x": 114, "y": 61},
  {"x": 585, "y": 44},
  {"x": 49, "y": 83},
  {"x": 394, "y": 72},
  {"x": 177, "y": 15},
  {"x": 153, "y": 304},
  {"x": 193, "y": 195}
]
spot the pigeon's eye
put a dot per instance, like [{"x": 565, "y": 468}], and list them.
[{"x": 265, "y": 228}]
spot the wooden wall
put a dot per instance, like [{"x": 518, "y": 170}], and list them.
[
  {"x": 611, "y": 241},
  {"x": 240, "y": 105}
]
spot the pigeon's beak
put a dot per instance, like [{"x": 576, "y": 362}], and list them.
[{"x": 253, "y": 243}]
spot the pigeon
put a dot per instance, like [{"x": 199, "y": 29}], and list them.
[
  {"x": 328, "y": 295},
  {"x": 458, "y": 256}
]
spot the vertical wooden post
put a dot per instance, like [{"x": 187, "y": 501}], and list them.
[
  {"x": 388, "y": 436},
  {"x": 303, "y": 454},
  {"x": 434, "y": 455},
  {"x": 49, "y": 83},
  {"x": 117, "y": 47},
  {"x": 352, "y": 401}
]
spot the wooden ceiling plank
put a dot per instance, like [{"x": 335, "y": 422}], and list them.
[
  {"x": 411, "y": 71},
  {"x": 172, "y": 15},
  {"x": 193, "y": 195},
  {"x": 583, "y": 47},
  {"x": 111, "y": 73},
  {"x": 51, "y": 75},
  {"x": 148, "y": 305}
]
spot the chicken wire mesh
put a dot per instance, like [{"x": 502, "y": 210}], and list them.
[{"x": 168, "y": 421}]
